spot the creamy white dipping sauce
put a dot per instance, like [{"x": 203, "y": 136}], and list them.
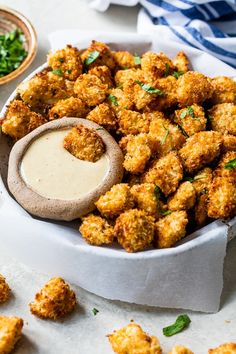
[{"x": 51, "y": 171}]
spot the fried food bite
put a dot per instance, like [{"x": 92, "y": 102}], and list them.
[
  {"x": 96, "y": 230},
  {"x": 181, "y": 62},
  {"x": 103, "y": 115},
  {"x": 103, "y": 56},
  {"x": 200, "y": 209},
  {"x": 180, "y": 349},
  {"x": 69, "y": 107},
  {"x": 226, "y": 348},
  {"x": 119, "y": 101},
  {"x": 125, "y": 60},
  {"x": 10, "y": 333},
  {"x": 54, "y": 301},
  {"x": 223, "y": 118},
  {"x": 184, "y": 198},
  {"x": 202, "y": 181},
  {"x": 191, "y": 119},
  {"x": 131, "y": 122},
  {"x": 104, "y": 74},
  {"x": 133, "y": 340},
  {"x": 4, "y": 290},
  {"x": 229, "y": 143},
  {"x": 84, "y": 143},
  {"x": 156, "y": 65},
  {"x": 224, "y": 90}
]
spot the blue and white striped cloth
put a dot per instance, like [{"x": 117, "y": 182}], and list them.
[{"x": 204, "y": 24}]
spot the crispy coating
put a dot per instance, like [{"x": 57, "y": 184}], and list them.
[
  {"x": 193, "y": 87},
  {"x": 192, "y": 119},
  {"x": 140, "y": 98},
  {"x": 54, "y": 301},
  {"x": 166, "y": 173},
  {"x": 181, "y": 62},
  {"x": 200, "y": 209},
  {"x": 84, "y": 143},
  {"x": 96, "y": 230},
  {"x": 103, "y": 73},
  {"x": 156, "y": 65},
  {"x": 222, "y": 198},
  {"x": 168, "y": 86},
  {"x": 125, "y": 60},
  {"x": 226, "y": 348},
  {"x": 69, "y": 107},
  {"x": 184, "y": 198},
  {"x": 170, "y": 229},
  {"x": 68, "y": 61},
  {"x": 105, "y": 57},
  {"x": 10, "y": 333},
  {"x": 200, "y": 149},
  {"x": 221, "y": 171},
  {"x": 115, "y": 201},
  {"x": 4, "y": 290},
  {"x": 131, "y": 122},
  {"x": 133, "y": 340},
  {"x": 224, "y": 90},
  {"x": 134, "y": 230},
  {"x": 90, "y": 89},
  {"x": 120, "y": 100},
  {"x": 103, "y": 115},
  {"x": 20, "y": 120},
  {"x": 180, "y": 349},
  {"x": 202, "y": 180},
  {"x": 229, "y": 143},
  {"x": 167, "y": 135},
  {"x": 122, "y": 76},
  {"x": 223, "y": 118}
]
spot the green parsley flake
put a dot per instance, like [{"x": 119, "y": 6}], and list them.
[
  {"x": 113, "y": 99},
  {"x": 231, "y": 165},
  {"x": 180, "y": 324},
  {"x": 188, "y": 111},
  {"x": 100, "y": 129},
  {"x": 177, "y": 74},
  {"x": 182, "y": 130},
  {"x": 57, "y": 72},
  {"x": 61, "y": 60},
  {"x": 149, "y": 88},
  {"x": 193, "y": 179},
  {"x": 12, "y": 51},
  {"x": 69, "y": 71},
  {"x": 157, "y": 194},
  {"x": 167, "y": 70},
  {"x": 92, "y": 57},
  {"x": 95, "y": 311},
  {"x": 137, "y": 59},
  {"x": 165, "y": 136}
]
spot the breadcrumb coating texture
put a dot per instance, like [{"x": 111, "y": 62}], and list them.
[
  {"x": 200, "y": 149},
  {"x": 192, "y": 119},
  {"x": 140, "y": 98},
  {"x": 121, "y": 76},
  {"x": 103, "y": 115},
  {"x": 202, "y": 180},
  {"x": 184, "y": 198},
  {"x": 20, "y": 120},
  {"x": 221, "y": 171},
  {"x": 90, "y": 89},
  {"x": 168, "y": 86},
  {"x": 115, "y": 201},
  {"x": 96, "y": 230},
  {"x": 229, "y": 143},
  {"x": 134, "y": 230},
  {"x": 145, "y": 199},
  {"x": 133, "y": 340},
  {"x": 180, "y": 349},
  {"x": 104, "y": 74},
  {"x": 54, "y": 301},
  {"x": 68, "y": 61},
  {"x": 156, "y": 65},
  {"x": 223, "y": 118},
  {"x": 125, "y": 60},
  {"x": 193, "y": 87},
  {"x": 181, "y": 62},
  {"x": 170, "y": 229},
  {"x": 69, "y": 107},
  {"x": 131, "y": 122},
  {"x": 224, "y": 90},
  {"x": 200, "y": 209},
  {"x": 4, "y": 290},
  {"x": 120, "y": 100},
  {"x": 84, "y": 143},
  {"x": 10, "y": 333},
  {"x": 226, "y": 348},
  {"x": 166, "y": 173},
  {"x": 105, "y": 57}
]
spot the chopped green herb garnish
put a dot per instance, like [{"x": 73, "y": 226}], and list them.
[
  {"x": 165, "y": 136},
  {"x": 12, "y": 51},
  {"x": 189, "y": 110},
  {"x": 92, "y": 57},
  {"x": 100, "y": 129},
  {"x": 177, "y": 74},
  {"x": 113, "y": 99},
  {"x": 209, "y": 118},
  {"x": 182, "y": 130},
  {"x": 137, "y": 59},
  {"x": 193, "y": 179},
  {"x": 95, "y": 311},
  {"x": 204, "y": 191},
  {"x": 124, "y": 68},
  {"x": 69, "y": 71},
  {"x": 157, "y": 194},
  {"x": 165, "y": 212},
  {"x": 167, "y": 70},
  {"x": 231, "y": 165},
  {"x": 180, "y": 324},
  {"x": 149, "y": 88},
  {"x": 57, "y": 72},
  {"x": 61, "y": 60},
  {"x": 183, "y": 114}
]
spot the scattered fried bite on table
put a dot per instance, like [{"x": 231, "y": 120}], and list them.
[
  {"x": 96, "y": 230},
  {"x": 10, "y": 333},
  {"x": 133, "y": 340},
  {"x": 69, "y": 107},
  {"x": 227, "y": 348},
  {"x": 184, "y": 198},
  {"x": 54, "y": 301},
  {"x": 224, "y": 90},
  {"x": 223, "y": 118},
  {"x": 4, "y": 290},
  {"x": 179, "y": 349},
  {"x": 84, "y": 143}
]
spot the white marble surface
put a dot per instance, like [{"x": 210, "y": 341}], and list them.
[{"x": 83, "y": 333}]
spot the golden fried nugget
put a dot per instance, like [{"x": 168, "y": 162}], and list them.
[
  {"x": 184, "y": 198},
  {"x": 125, "y": 60},
  {"x": 145, "y": 198},
  {"x": 96, "y": 230},
  {"x": 119, "y": 100},
  {"x": 90, "y": 89},
  {"x": 223, "y": 118},
  {"x": 133, "y": 340},
  {"x": 156, "y": 65},
  {"x": 131, "y": 122},
  {"x": 166, "y": 173},
  {"x": 69, "y": 107},
  {"x": 134, "y": 230},
  {"x": 224, "y": 90},
  {"x": 66, "y": 61},
  {"x": 103, "y": 115},
  {"x": 137, "y": 94},
  {"x": 170, "y": 229},
  {"x": 122, "y": 76},
  {"x": 115, "y": 201},
  {"x": 191, "y": 119},
  {"x": 200, "y": 149},
  {"x": 54, "y": 301},
  {"x": 4, "y": 290},
  {"x": 168, "y": 98},
  {"x": 222, "y": 198},
  {"x": 84, "y": 143},
  {"x": 104, "y": 74},
  {"x": 202, "y": 180},
  {"x": 229, "y": 142},
  {"x": 180, "y": 349},
  {"x": 10, "y": 333},
  {"x": 226, "y": 348},
  {"x": 20, "y": 120},
  {"x": 200, "y": 209},
  {"x": 222, "y": 169},
  {"x": 193, "y": 87},
  {"x": 181, "y": 62},
  {"x": 105, "y": 57}
]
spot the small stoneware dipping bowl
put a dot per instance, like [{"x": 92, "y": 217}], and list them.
[{"x": 9, "y": 21}]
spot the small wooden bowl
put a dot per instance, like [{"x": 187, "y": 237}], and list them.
[{"x": 9, "y": 21}]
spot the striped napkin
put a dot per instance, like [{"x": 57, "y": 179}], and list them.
[{"x": 204, "y": 24}]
